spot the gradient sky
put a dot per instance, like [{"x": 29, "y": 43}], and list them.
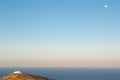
[{"x": 79, "y": 33}]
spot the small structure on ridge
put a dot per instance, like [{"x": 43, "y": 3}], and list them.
[{"x": 17, "y": 72}]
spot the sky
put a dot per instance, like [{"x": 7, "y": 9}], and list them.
[{"x": 60, "y": 33}]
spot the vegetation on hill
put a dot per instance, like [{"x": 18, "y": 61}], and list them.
[{"x": 23, "y": 76}]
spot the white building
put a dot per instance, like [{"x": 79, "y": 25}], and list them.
[{"x": 18, "y": 72}]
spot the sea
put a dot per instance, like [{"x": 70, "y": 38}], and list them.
[{"x": 69, "y": 73}]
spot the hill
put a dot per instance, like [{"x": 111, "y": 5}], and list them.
[{"x": 17, "y": 75}]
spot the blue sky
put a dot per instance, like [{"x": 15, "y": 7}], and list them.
[{"x": 80, "y": 33}]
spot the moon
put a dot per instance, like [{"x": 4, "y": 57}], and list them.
[{"x": 105, "y": 6}]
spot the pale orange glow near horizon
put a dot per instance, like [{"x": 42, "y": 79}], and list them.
[{"x": 66, "y": 61}]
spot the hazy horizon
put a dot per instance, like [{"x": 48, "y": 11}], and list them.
[{"x": 60, "y": 33}]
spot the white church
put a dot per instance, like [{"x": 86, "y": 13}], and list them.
[{"x": 17, "y": 72}]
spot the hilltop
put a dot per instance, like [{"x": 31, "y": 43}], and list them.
[{"x": 17, "y": 75}]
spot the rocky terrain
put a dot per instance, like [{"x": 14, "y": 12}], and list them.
[{"x": 17, "y": 75}]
